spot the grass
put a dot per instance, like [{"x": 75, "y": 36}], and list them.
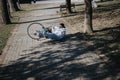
[
  {"x": 106, "y": 15},
  {"x": 106, "y": 23},
  {"x": 5, "y": 30},
  {"x": 28, "y": 7}
]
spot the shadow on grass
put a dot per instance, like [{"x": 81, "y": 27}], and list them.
[
  {"x": 20, "y": 22},
  {"x": 109, "y": 29},
  {"x": 46, "y": 8},
  {"x": 56, "y": 7},
  {"x": 66, "y": 59},
  {"x": 112, "y": 49},
  {"x": 108, "y": 7}
]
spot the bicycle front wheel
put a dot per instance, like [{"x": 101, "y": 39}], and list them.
[{"x": 34, "y": 29}]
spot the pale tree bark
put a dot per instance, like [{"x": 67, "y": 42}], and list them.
[
  {"x": 14, "y": 5},
  {"x": 11, "y": 5},
  {"x": 68, "y": 6},
  {"x": 88, "y": 17},
  {"x": 18, "y": 4}
]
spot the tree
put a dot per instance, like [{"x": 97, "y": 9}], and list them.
[
  {"x": 5, "y": 13},
  {"x": 11, "y": 5},
  {"x": 16, "y": 5},
  {"x": 88, "y": 17},
  {"x": 68, "y": 6}
]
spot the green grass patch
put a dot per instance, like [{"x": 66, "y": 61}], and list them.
[{"x": 5, "y": 32}]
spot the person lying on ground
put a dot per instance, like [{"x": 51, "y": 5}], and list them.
[{"x": 55, "y": 32}]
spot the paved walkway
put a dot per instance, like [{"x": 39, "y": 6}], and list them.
[{"x": 70, "y": 59}]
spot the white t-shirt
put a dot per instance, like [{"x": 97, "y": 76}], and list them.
[{"x": 60, "y": 32}]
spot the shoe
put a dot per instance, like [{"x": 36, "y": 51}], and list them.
[
  {"x": 41, "y": 35},
  {"x": 35, "y": 34}
]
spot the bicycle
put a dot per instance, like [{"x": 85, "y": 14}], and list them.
[
  {"x": 34, "y": 30},
  {"x": 37, "y": 31}
]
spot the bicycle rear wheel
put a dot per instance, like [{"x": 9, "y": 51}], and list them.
[{"x": 34, "y": 29}]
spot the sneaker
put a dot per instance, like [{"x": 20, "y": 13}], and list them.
[
  {"x": 41, "y": 35},
  {"x": 35, "y": 34}
]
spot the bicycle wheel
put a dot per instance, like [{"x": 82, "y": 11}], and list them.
[{"x": 34, "y": 29}]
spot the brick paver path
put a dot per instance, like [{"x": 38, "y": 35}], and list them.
[{"x": 70, "y": 59}]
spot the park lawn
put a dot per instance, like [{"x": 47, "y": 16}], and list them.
[{"x": 106, "y": 24}]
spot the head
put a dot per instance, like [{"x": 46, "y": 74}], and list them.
[{"x": 62, "y": 25}]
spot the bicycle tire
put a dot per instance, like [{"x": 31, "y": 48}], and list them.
[{"x": 32, "y": 30}]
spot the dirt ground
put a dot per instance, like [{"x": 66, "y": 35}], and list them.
[{"x": 106, "y": 26}]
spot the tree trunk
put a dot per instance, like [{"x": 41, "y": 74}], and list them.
[
  {"x": 68, "y": 6},
  {"x": 12, "y": 9},
  {"x": 88, "y": 17},
  {"x": 15, "y": 4},
  {"x": 18, "y": 4},
  {"x": 5, "y": 12},
  {"x": 1, "y": 19}
]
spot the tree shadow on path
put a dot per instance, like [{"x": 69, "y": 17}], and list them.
[{"x": 75, "y": 57}]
